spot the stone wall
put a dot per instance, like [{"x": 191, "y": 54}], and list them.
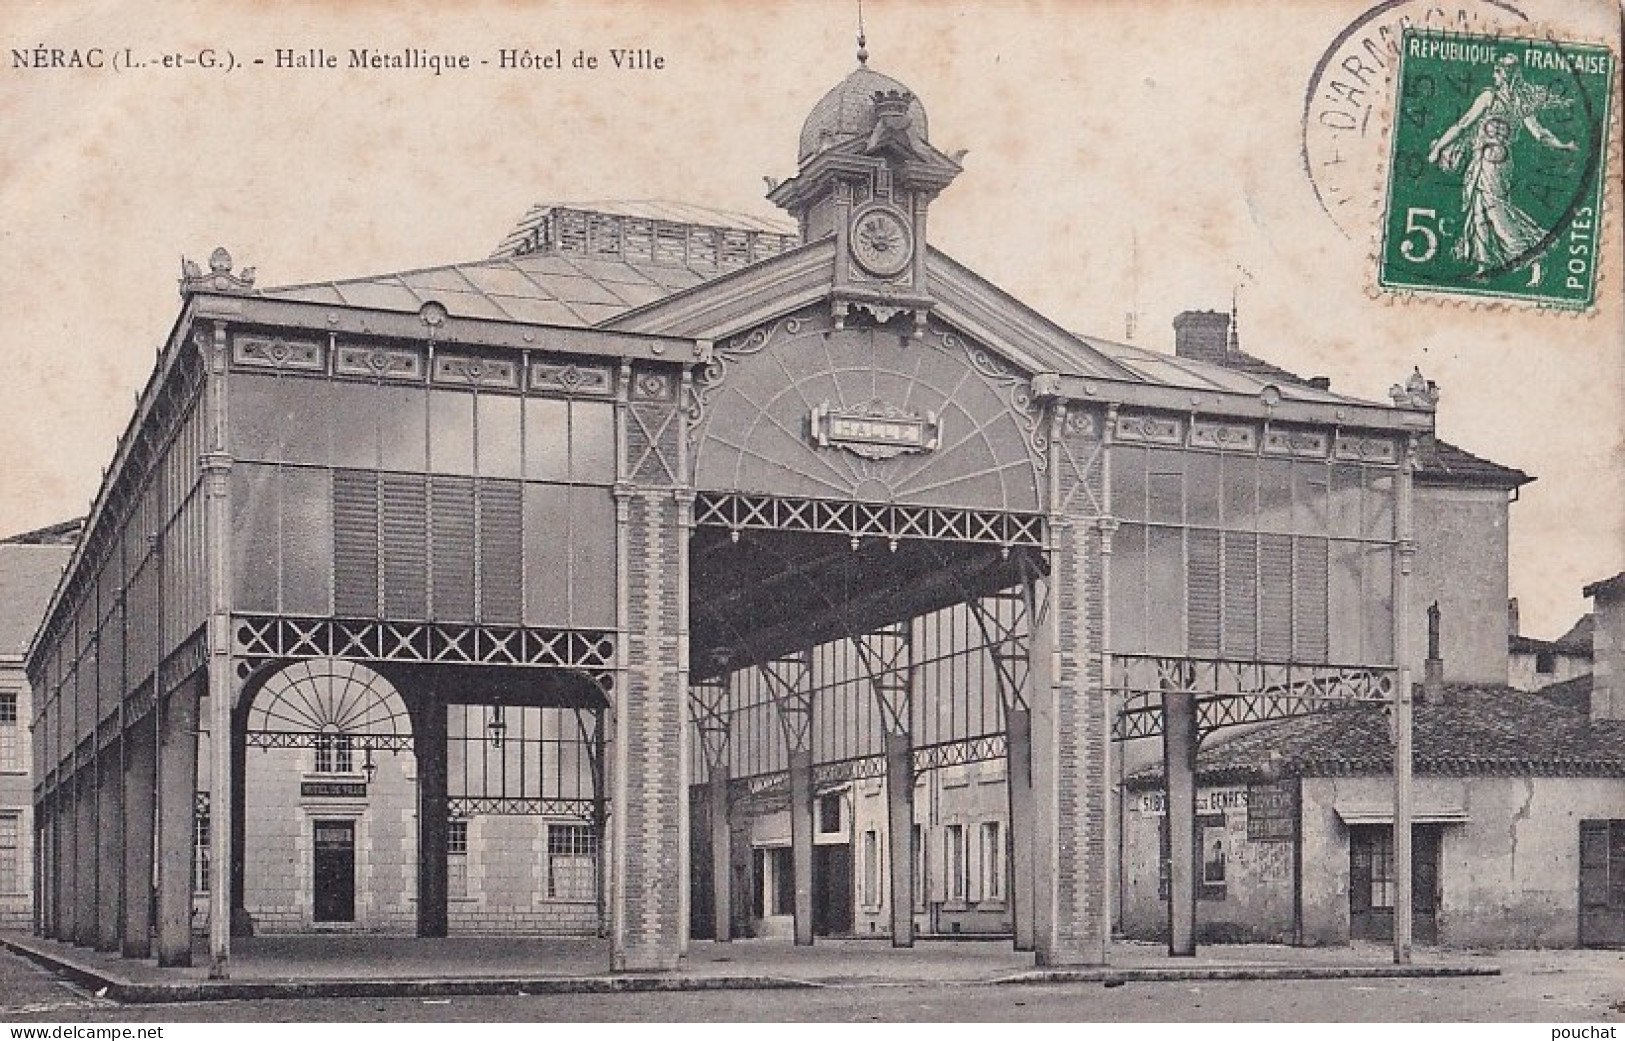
[{"x": 1461, "y": 562}]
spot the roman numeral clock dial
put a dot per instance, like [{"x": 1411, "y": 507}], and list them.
[{"x": 881, "y": 242}]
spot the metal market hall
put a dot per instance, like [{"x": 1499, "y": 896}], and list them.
[{"x": 676, "y": 573}]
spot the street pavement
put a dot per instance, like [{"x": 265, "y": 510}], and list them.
[{"x": 1535, "y": 986}]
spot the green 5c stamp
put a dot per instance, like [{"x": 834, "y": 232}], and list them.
[{"x": 1496, "y": 169}]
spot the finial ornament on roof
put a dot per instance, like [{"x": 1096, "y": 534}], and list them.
[
  {"x": 1416, "y": 392},
  {"x": 863, "y": 43},
  {"x": 219, "y": 278}
]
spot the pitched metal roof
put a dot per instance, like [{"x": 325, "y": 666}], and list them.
[
  {"x": 1477, "y": 730},
  {"x": 544, "y": 288},
  {"x": 28, "y": 576},
  {"x": 1174, "y": 371}
]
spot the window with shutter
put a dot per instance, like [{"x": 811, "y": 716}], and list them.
[
  {"x": 452, "y": 529},
  {"x": 1240, "y": 594},
  {"x": 1275, "y": 597},
  {"x": 404, "y": 545},
  {"x": 1203, "y": 593},
  {"x": 355, "y": 543}
]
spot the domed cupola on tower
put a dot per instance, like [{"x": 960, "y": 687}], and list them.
[{"x": 867, "y": 175}]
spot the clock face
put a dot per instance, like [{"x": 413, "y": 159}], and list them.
[{"x": 881, "y": 242}]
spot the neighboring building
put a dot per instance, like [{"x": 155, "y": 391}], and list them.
[
  {"x": 1608, "y": 647},
  {"x": 30, "y": 566},
  {"x": 1519, "y": 827},
  {"x": 1536, "y": 664}
]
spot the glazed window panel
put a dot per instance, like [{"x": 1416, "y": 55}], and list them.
[
  {"x": 1165, "y": 490},
  {"x": 255, "y": 505},
  {"x": 547, "y": 525},
  {"x": 306, "y": 540},
  {"x": 572, "y": 862},
  {"x": 1206, "y": 489},
  {"x": 1347, "y": 483},
  {"x": 954, "y": 862},
  {"x": 1377, "y": 505},
  {"x": 451, "y": 432},
  {"x": 547, "y": 439},
  {"x": 992, "y": 860},
  {"x": 1128, "y": 599},
  {"x": 11, "y": 874},
  {"x": 592, "y": 551},
  {"x": 11, "y": 759},
  {"x": 202, "y": 851},
  {"x": 1378, "y": 602},
  {"x": 1346, "y": 623},
  {"x": 402, "y": 425},
  {"x": 1128, "y": 482},
  {"x": 592, "y": 442},
  {"x": 355, "y": 414},
  {"x": 1310, "y": 498},
  {"x": 1165, "y": 591},
  {"x": 499, "y": 440},
  {"x": 1275, "y": 496}
]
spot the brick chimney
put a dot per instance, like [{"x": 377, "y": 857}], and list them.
[
  {"x": 1202, "y": 336},
  {"x": 1607, "y": 648},
  {"x": 1433, "y": 665}
]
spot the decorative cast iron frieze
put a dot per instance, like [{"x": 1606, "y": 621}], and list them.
[
  {"x": 570, "y": 378},
  {"x": 276, "y": 353},
  {"x": 388, "y": 363}
]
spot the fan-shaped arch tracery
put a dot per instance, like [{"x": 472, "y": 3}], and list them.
[{"x": 312, "y": 700}]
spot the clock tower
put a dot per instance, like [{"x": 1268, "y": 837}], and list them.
[{"x": 867, "y": 175}]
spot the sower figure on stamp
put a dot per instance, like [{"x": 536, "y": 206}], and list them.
[{"x": 1495, "y": 232}]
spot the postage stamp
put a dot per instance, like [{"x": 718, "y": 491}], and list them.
[{"x": 1495, "y": 175}]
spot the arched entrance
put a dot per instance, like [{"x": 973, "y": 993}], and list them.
[
  {"x": 870, "y": 604},
  {"x": 330, "y": 792}
]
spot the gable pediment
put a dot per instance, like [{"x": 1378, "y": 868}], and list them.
[{"x": 793, "y": 281}]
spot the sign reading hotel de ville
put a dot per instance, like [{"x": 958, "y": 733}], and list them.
[{"x": 1494, "y": 187}]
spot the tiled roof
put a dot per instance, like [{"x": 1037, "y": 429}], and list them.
[
  {"x": 1573, "y": 694},
  {"x": 1478, "y": 730},
  {"x": 1440, "y": 462},
  {"x": 1575, "y": 642},
  {"x": 1607, "y": 587},
  {"x": 63, "y": 533},
  {"x": 28, "y": 576},
  {"x": 1579, "y": 635}
]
